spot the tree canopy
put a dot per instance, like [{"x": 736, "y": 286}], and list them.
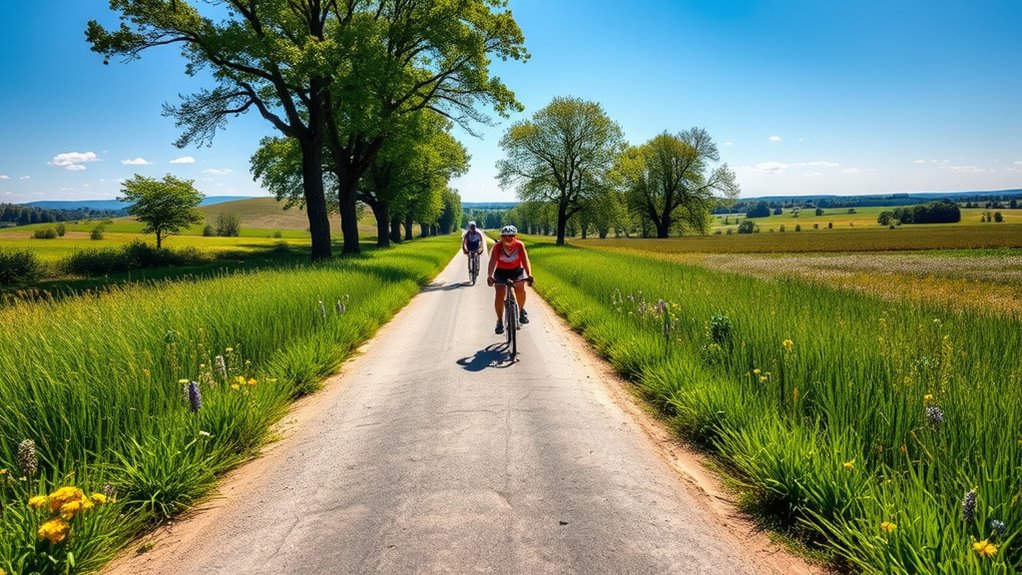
[
  {"x": 164, "y": 206},
  {"x": 560, "y": 155}
]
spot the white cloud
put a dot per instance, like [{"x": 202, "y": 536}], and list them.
[
  {"x": 850, "y": 171},
  {"x": 1018, "y": 163},
  {"x": 775, "y": 139},
  {"x": 818, "y": 164},
  {"x": 729, "y": 143},
  {"x": 918, "y": 161},
  {"x": 73, "y": 160},
  {"x": 222, "y": 172},
  {"x": 966, "y": 169},
  {"x": 25, "y": 178},
  {"x": 139, "y": 161},
  {"x": 771, "y": 167},
  {"x": 4, "y": 177},
  {"x": 183, "y": 160},
  {"x": 813, "y": 174}
]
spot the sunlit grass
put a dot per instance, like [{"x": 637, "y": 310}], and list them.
[
  {"x": 858, "y": 423},
  {"x": 98, "y": 383}
]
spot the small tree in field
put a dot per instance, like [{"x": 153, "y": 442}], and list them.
[{"x": 164, "y": 206}]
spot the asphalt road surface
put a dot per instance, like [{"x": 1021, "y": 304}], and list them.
[{"x": 430, "y": 453}]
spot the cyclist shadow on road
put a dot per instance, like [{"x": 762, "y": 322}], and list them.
[
  {"x": 443, "y": 286},
  {"x": 492, "y": 356}
]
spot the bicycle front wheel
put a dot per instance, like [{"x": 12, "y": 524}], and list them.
[{"x": 511, "y": 324}]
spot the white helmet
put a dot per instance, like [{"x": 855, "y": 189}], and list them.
[
  {"x": 509, "y": 231},
  {"x": 472, "y": 224}
]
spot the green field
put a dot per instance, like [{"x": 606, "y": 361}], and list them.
[
  {"x": 864, "y": 217},
  {"x": 98, "y": 382},
  {"x": 857, "y": 424}
]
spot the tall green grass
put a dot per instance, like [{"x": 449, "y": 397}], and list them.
[
  {"x": 836, "y": 431},
  {"x": 99, "y": 384}
]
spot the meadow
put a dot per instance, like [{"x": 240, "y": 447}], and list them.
[
  {"x": 125, "y": 404},
  {"x": 882, "y": 433},
  {"x": 862, "y": 217}
]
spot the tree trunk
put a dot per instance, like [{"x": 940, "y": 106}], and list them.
[
  {"x": 408, "y": 226},
  {"x": 315, "y": 198},
  {"x": 159, "y": 239},
  {"x": 348, "y": 199},
  {"x": 663, "y": 228},
  {"x": 382, "y": 213},
  {"x": 395, "y": 229},
  {"x": 562, "y": 223},
  {"x": 423, "y": 230}
]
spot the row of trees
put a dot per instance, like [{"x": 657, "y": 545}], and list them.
[
  {"x": 570, "y": 163},
  {"x": 939, "y": 212},
  {"x": 21, "y": 215},
  {"x": 363, "y": 93}
]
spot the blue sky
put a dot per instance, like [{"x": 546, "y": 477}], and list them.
[{"x": 802, "y": 97}]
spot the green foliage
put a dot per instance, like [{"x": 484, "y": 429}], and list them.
[
  {"x": 97, "y": 232},
  {"x": 825, "y": 406},
  {"x": 164, "y": 206},
  {"x": 761, "y": 210},
  {"x": 135, "y": 255},
  {"x": 61, "y": 230},
  {"x": 46, "y": 233},
  {"x": 939, "y": 212},
  {"x": 228, "y": 225},
  {"x": 746, "y": 227},
  {"x": 208, "y": 231},
  {"x": 561, "y": 155},
  {"x": 18, "y": 267}
]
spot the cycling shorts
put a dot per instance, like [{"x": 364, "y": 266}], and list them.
[{"x": 502, "y": 276}]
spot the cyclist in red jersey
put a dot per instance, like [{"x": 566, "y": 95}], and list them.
[{"x": 509, "y": 261}]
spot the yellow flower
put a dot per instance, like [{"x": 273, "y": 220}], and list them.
[
  {"x": 183, "y": 381},
  {"x": 788, "y": 344},
  {"x": 984, "y": 548},
  {"x": 229, "y": 350},
  {"x": 240, "y": 380},
  {"x": 99, "y": 498},
  {"x": 888, "y": 526},
  {"x": 63, "y": 495},
  {"x": 37, "y": 502},
  {"x": 68, "y": 510},
  {"x": 235, "y": 386},
  {"x": 54, "y": 530},
  {"x": 756, "y": 371},
  {"x": 928, "y": 397},
  {"x": 252, "y": 382},
  {"x": 849, "y": 465},
  {"x": 763, "y": 379}
]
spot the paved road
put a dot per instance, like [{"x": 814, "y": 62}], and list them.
[{"x": 431, "y": 454}]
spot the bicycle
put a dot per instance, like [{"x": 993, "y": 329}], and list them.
[
  {"x": 473, "y": 266},
  {"x": 511, "y": 310}
]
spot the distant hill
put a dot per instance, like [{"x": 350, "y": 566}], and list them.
[
  {"x": 116, "y": 205},
  {"x": 268, "y": 213}
]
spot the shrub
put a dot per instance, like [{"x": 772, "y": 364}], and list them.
[
  {"x": 136, "y": 255},
  {"x": 45, "y": 234},
  {"x": 97, "y": 232},
  {"x": 228, "y": 225},
  {"x": 798, "y": 227},
  {"x": 208, "y": 231},
  {"x": 816, "y": 226},
  {"x": 18, "y": 266},
  {"x": 746, "y": 227},
  {"x": 277, "y": 234},
  {"x": 830, "y": 225},
  {"x": 819, "y": 211},
  {"x": 782, "y": 227},
  {"x": 61, "y": 230},
  {"x": 998, "y": 217}
]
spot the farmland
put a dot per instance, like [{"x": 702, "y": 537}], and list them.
[{"x": 864, "y": 422}]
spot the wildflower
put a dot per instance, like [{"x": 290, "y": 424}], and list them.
[
  {"x": 997, "y": 526},
  {"x": 108, "y": 490},
  {"x": 205, "y": 434},
  {"x": 928, "y": 397},
  {"x": 235, "y": 386},
  {"x": 37, "y": 502},
  {"x": 54, "y": 530},
  {"x": 69, "y": 509},
  {"x": 849, "y": 465},
  {"x": 984, "y": 548},
  {"x": 888, "y": 526},
  {"x": 183, "y": 381},
  {"x": 935, "y": 416},
  {"x": 322, "y": 309},
  {"x": 239, "y": 380},
  {"x": 229, "y": 350},
  {"x": 252, "y": 382},
  {"x": 661, "y": 306},
  {"x": 221, "y": 366},
  {"x": 194, "y": 396},
  {"x": 788, "y": 344},
  {"x": 99, "y": 498},
  {"x": 763, "y": 379},
  {"x": 969, "y": 506},
  {"x": 756, "y": 371},
  {"x": 28, "y": 460},
  {"x": 62, "y": 496}
]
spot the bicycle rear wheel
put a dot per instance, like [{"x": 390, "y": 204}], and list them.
[{"x": 511, "y": 325}]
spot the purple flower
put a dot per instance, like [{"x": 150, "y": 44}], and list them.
[
  {"x": 969, "y": 506},
  {"x": 935, "y": 416},
  {"x": 194, "y": 396}
]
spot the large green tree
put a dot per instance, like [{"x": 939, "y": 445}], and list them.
[
  {"x": 560, "y": 155},
  {"x": 408, "y": 57},
  {"x": 276, "y": 56},
  {"x": 672, "y": 179},
  {"x": 165, "y": 206}
]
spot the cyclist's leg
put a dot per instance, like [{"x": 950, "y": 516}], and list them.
[{"x": 520, "y": 296}]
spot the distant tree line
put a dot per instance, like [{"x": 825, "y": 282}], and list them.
[
  {"x": 939, "y": 212},
  {"x": 21, "y": 215}
]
